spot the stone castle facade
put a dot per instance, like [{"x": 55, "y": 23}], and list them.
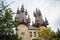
[{"x": 24, "y": 29}]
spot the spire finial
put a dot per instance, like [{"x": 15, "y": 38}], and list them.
[
  {"x": 26, "y": 12},
  {"x": 22, "y": 8},
  {"x": 46, "y": 21},
  {"x": 28, "y": 19},
  {"x": 18, "y": 10},
  {"x": 36, "y": 9}
]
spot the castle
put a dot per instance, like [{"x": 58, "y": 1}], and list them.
[{"x": 24, "y": 29}]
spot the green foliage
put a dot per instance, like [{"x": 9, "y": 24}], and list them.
[
  {"x": 37, "y": 38},
  {"x": 8, "y": 14},
  {"x": 58, "y": 34},
  {"x": 20, "y": 38},
  {"x": 46, "y": 33},
  {"x": 6, "y": 22},
  {"x": 10, "y": 37}
]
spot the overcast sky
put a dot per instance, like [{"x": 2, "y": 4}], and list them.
[{"x": 49, "y": 9}]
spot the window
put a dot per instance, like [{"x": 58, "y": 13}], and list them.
[
  {"x": 30, "y": 34},
  {"x": 22, "y": 33},
  {"x": 34, "y": 34}
]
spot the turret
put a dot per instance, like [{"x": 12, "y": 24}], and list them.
[
  {"x": 28, "y": 20},
  {"x": 16, "y": 18},
  {"x": 46, "y": 22},
  {"x": 39, "y": 19},
  {"x": 18, "y": 10},
  {"x": 21, "y": 16},
  {"x": 22, "y": 8},
  {"x": 26, "y": 12}
]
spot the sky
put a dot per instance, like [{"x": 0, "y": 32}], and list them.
[{"x": 49, "y": 9}]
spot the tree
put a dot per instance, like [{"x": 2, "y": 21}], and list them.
[
  {"x": 58, "y": 34},
  {"x": 45, "y": 33},
  {"x": 6, "y": 22}
]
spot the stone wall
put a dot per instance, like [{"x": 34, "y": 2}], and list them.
[
  {"x": 33, "y": 35},
  {"x": 24, "y": 32}
]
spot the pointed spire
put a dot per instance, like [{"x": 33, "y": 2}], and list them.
[
  {"x": 46, "y": 21},
  {"x": 28, "y": 19},
  {"x": 39, "y": 12},
  {"x": 22, "y": 8},
  {"x": 18, "y": 10},
  {"x": 34, "y": 14},
  {"x": 36, "y": 9},
  {"x": 26, "y": 12}
]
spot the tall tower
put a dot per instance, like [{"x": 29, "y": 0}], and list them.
[
  {"x": 23, "y": 21},
  {"x": 39, "y": 20},
  {"x": 21, "y": 16}
]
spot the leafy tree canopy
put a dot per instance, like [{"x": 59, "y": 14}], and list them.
[{"x": 46, "y": 33}]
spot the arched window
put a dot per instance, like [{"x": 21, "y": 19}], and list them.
[
  {"x": 30, "y": 34},
  {"x": 34, "y": 34}
]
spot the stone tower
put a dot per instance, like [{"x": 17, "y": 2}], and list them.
[{"x": 23, "y": 21}]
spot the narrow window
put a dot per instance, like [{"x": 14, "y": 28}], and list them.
[
  {"x": 30, "y": 34},
  {"x": 34, "y": 34}
]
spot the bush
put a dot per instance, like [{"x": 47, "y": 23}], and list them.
[{"x": 36, "y": 39}]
